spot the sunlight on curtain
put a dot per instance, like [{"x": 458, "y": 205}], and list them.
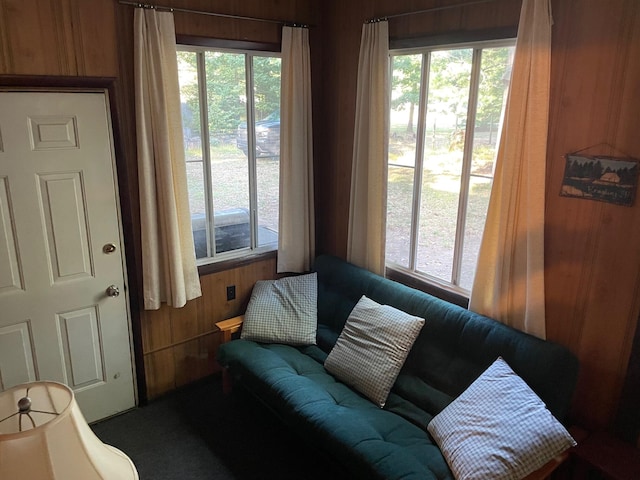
[
  {"x": 296, "y": 231},
  {"x": 367, "y": 210},
  {"x": 509, "y": 281},
  {"x": 168, "y": 257}
]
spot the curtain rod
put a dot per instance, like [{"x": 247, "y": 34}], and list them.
[
  {"x": 428, "y": 10},
  {"x": 212, "y": 14}
]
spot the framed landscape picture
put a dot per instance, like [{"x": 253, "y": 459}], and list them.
[{"x": 602, "y": 178}]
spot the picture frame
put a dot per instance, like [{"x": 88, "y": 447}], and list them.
[{"x": 600, "y": 177}]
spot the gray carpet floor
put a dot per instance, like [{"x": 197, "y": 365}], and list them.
[{"x": 198, "y": 433}]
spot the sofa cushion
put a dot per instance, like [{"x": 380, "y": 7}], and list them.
[
  {"x": 283, "y": 311},
  {"x": 372, "y": 348},
  {"x": 498, "y": 428},
  {"x": 370, "y": 442}
]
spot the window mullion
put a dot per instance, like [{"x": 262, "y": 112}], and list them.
[
  {"x": 251, "y": 145},
  {"x": 467, "y": 157},
  {"x": 419, "y": 160},
  {"x": 206, "y": 154}
]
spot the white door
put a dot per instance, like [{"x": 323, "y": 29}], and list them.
[{"x": 61, "y": 249}]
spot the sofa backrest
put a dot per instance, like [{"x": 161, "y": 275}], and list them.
[{"x": 455, "y": 345}]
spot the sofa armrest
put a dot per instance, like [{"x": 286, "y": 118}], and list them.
[{"x": 230, "y": 326}]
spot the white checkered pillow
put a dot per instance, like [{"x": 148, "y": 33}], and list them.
[
  {"x": 372, "y": 348},
  {"x": 283, "y": 311},
  {"x": 498, "y": 428}
]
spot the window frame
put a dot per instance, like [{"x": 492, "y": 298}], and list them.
[
  {"x": 420, "y": 279},
  {"x": 199, "y": 46}
]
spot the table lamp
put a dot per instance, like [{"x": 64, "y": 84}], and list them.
[{"x": 43, "y": 435}]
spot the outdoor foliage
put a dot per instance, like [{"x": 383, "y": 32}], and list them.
[
  {"x": 407, "y": 71},
  {"x": 226, "y": 90},
  {"x": 449, "y": 72},
  {"x": 266, "y": 79}
]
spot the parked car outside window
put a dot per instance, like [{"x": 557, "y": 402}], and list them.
[{"x": 267, "y": 136}]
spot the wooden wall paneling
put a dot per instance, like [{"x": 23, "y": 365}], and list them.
[
  {"x": 627, "y": 137},
  {"x": 222, "y": 308},
  {"x": 567, "y": 261},
  {"x": 94, "y": 37},
  {"x": 499, "y": 13},
  {"x": 156, "y": 329},
  {"x": 6, "y": 61},
  {"x": 298, "y": 11},
  {"x": 196, "y": 359},
  {"x": 64, "y": 28},
  {"x": 206, "y": 308},
  {"x": 612, "y": 311},
  {"x": 127, "y": 169},
  {"x": 217, "y": 27},
  {"x": 187, "y": 337},
  {"x": 210, "y": 300},
  {"x": 38, "y": 36},
  {"x": 341, "y": 31},
  {"x": 318, "y": 115},
  {"x": 592, "y": 252},
  {"x": 215, "y": 287},
  {"x": 160, "y": 373},
  {"x": 184, "y": 321},
  {"x": 243, "y": 278}
]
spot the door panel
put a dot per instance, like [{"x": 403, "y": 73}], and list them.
[
  {"x": 10, "y": 271},
  {"x": 58, "y": 206},
  {"x": 82, "y": 347},
  {"x": 16, "y": 355},
  {"x": 53, "y": 132},
  {"x": 64, "y": 212}
]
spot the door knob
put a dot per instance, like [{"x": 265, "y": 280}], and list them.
[
  {"x": 112, "y": 291},
  {"x": 109, "y": 248}
]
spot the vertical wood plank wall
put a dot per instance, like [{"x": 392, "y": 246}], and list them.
[
  {"x": 593, "y": 249},
  {"x": 180, "y": 343},
  {"x": 58, "y": 37},
  {"x": 592, "y": 262}
]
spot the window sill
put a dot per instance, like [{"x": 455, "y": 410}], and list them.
[
  {"x": 421, "y": 283},
  {"x": 236, "y": 262}
]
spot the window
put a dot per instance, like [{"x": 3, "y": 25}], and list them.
[
  {"x": 445, "y": 116},
  {"x": 231, "y": 124}
]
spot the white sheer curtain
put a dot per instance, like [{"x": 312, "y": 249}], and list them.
[
  {"x": 168, "y": 256},
  {"x": 509, "y": 282},
  {"x": 368, "y": 207},
  {"x": 296, "y": 230}
]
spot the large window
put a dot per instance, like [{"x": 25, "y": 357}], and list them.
[
  {"x": 446, "y": 110},
  {"x": 231, "y": 124}
]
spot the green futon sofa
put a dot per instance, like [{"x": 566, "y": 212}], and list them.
[{"x": 454, "y": 347}]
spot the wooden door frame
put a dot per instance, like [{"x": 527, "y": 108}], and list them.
[{"x": 68, "y": 84}]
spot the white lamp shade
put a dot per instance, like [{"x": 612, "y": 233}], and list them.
[{"x": 60, "y": 446}]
